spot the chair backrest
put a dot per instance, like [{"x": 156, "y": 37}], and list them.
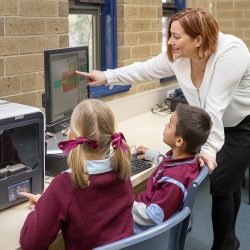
[
  {"x": 179, "y": 233},
  {"x": 189, "y": 201},
  {"x": 154, "y": 238},
  {"x": 171, "y": 234}
]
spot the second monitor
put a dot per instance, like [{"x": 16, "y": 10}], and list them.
[{"x": 63, "y": 89}]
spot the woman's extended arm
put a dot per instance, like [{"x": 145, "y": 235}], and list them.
[
  {"x": 95, "y": 77},
  {"x": 155, "y": 68}
]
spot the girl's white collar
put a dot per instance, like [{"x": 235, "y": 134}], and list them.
[{"x": 97, "y": 166}]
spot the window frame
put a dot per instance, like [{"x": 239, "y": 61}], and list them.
[
  {"x": 107, "y": 40},
  {"x": 90, "y": 1},
  {"x": 94, "y": 10},
  {"x": 171, "y": 9}
]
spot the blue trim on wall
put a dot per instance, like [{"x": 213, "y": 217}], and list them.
[
  {"x": 103, "y": 90},
  {"x": 109, "y": 49},
  {"x": 181, "y": 4},
  {"x": 109, "y": 30},
  {"x": 168, "y": 78}
]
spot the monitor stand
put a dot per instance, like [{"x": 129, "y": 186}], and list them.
[{"x": 55, "y": 162}]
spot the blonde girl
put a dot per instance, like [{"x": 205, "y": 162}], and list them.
[{"x": 91, "y": 202}]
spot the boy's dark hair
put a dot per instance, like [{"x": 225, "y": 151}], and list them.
[{"x": 194, "y": 125}]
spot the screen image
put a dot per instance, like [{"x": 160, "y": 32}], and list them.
[
  {"x": 63, "y": 89},
  {"x": 13, "y": 190}
]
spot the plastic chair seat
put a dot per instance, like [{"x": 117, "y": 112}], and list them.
[{"x": 171, "y": 234}]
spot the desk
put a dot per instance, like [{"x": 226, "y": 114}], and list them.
[{"x": 144, "y": 129}]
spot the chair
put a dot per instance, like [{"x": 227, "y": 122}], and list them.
[{"x": 171, "y": 234}]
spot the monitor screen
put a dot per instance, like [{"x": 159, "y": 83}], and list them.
[{"x": 63, "y": 89}]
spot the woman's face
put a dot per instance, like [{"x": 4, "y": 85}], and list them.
[{"x": 181, "y": 43}]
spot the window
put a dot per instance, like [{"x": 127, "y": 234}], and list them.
[
  {"x": 169, "y": 8},
  {"x": 84, "y": 30},
  {"x": 93, "y": 23}
]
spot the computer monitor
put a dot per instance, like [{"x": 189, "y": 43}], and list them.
[{"x": 63, "y": 89}]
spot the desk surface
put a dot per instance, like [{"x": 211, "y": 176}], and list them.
[{"x": 145, "y": 129}]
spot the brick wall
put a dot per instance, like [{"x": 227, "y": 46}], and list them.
[
  {"x": 139, "y": 25},
  {"x": 233, "y": 16},
  {"x": 27, "y": 28}
]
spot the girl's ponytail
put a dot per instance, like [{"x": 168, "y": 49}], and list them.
[
  {"x": 121, "y": 156},
  {"x": 75, "y": 159},
  {"x": 79, "y": 174}
]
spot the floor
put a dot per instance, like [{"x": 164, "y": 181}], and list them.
[{"x": 201, "y": 236}]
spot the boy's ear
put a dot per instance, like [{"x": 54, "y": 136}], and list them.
[{"x": 179, "y": 142}]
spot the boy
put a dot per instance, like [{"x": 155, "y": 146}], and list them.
[{"x": 166, "y": 188}]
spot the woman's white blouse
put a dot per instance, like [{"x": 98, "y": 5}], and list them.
[{"x": 224, "y": 92}]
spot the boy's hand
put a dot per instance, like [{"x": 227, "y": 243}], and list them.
[
  {"x": 209, "y": 160},
  {"x": 140, "y": 152},
  {"x": 33, "y": 198},
  {"x": 94, "y": 78}
]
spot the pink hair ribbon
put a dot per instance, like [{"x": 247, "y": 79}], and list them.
[
  {"x": 117, "y": 140},
  {"x": 67, "y": 146}
]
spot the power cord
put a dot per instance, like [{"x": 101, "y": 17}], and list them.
[
  {"x": 162, "y": 109},
  {"x": 133, "y": 146}
]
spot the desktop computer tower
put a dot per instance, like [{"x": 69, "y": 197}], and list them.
[{"x": 21, "y": 152}]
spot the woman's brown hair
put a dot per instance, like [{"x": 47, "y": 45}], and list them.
[
  {"x": 197, "y": 22},
  {"x": 93, "y": 119}
]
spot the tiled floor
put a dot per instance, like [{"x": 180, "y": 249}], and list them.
[{"x": 202, "y": 236}]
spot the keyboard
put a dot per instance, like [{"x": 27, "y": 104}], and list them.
[
  {"x": 55, "y": 164},
  {"x": 138, "y": 165}
]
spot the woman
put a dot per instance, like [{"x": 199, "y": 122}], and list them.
[{"x": 213, "y": 70}]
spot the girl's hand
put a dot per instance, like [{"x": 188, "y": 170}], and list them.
[
  {"x": 209, "y": 161},
  {"x": 94, "y": 78},
  {"x": 33, "y": 198}
]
